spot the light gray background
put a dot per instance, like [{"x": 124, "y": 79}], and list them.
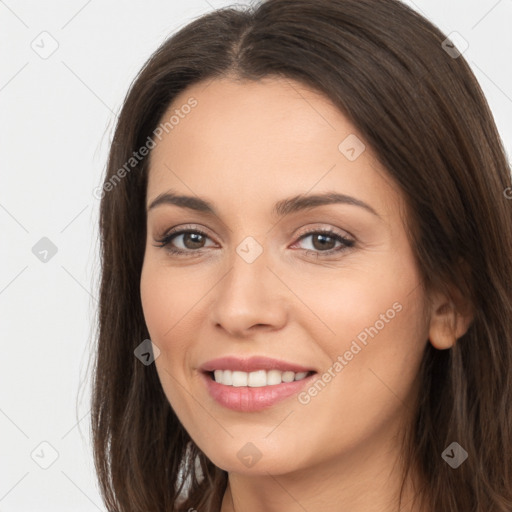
[{"x": 57, "y": 116}]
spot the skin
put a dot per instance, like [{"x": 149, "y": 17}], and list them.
[{"x": 245, "y": 146}]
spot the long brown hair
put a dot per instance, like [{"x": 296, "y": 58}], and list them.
[{"x": 419, "y": 107}]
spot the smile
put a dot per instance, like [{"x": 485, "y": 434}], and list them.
[
  {"x": 256, "y": 379},
  {"x": 248, "y": 397}
]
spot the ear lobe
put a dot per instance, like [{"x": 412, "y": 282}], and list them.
[{"x": 449, "y": 321}]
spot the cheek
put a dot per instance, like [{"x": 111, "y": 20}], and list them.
[
  {"x": 155, "y": 302},
  {"x": 370, "y": 371},
  {"x": 166, "y": 299},
  {"x": 377, "y": 350},
  {"x": 165, "y": 304},
  {"x": 171, "y": 303},
  {"x": 343, "y": 304},
  {"x": 162, "y": 311},
  {"x": 370, "y": 323}
]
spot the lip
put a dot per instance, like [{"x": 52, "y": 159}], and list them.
[
  {"x": 252, "y": 364},
  {"x": 248, "y": 399}
]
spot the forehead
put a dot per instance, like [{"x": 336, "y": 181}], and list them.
[
  {"x": 247, "y": 118},
  {"x": 244, "y": 140}
]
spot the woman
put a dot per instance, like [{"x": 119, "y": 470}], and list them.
[{"x": 305, "y": 210}]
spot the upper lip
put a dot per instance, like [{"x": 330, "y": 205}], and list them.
[{"x": 252, "y": 364}]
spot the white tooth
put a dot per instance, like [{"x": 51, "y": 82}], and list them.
[
  {"x": 288, "y": 376},
  {"x": 273, "y": 377},
  {"x": 257, "y": 379},
  {"x": 239, "y": 379},
  {"x": 227, "y": 378}
]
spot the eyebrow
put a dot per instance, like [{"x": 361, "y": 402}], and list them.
[{"x": 280, "y": 209}]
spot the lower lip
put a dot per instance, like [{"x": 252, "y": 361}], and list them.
[{"x": 248, "y": 399}]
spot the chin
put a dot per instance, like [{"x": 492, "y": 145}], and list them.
[{"x": 255, "y": 459}]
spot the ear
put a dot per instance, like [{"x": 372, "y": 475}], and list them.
[{"x": 450, "y": 318}]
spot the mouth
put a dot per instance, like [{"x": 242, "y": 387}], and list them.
[
  {"x": 252, "y": 392},
  {"x": 252, "y": 384},
  {"x": 258, "y": 378}
]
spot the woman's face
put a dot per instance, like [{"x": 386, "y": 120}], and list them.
[{"x": 302, "y": 258}]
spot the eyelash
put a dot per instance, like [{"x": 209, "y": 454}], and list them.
[{"x": 167, "y": 238}]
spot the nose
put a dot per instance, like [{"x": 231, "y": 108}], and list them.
[{"x": 249, "y": 298}]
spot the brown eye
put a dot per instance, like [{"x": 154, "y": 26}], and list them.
[
  {"x": 321, "y": 242},
  {"x": 326, "y": 242},
  {"x": 193, "y": 240},
  {"x": 184, "y": 241}
]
